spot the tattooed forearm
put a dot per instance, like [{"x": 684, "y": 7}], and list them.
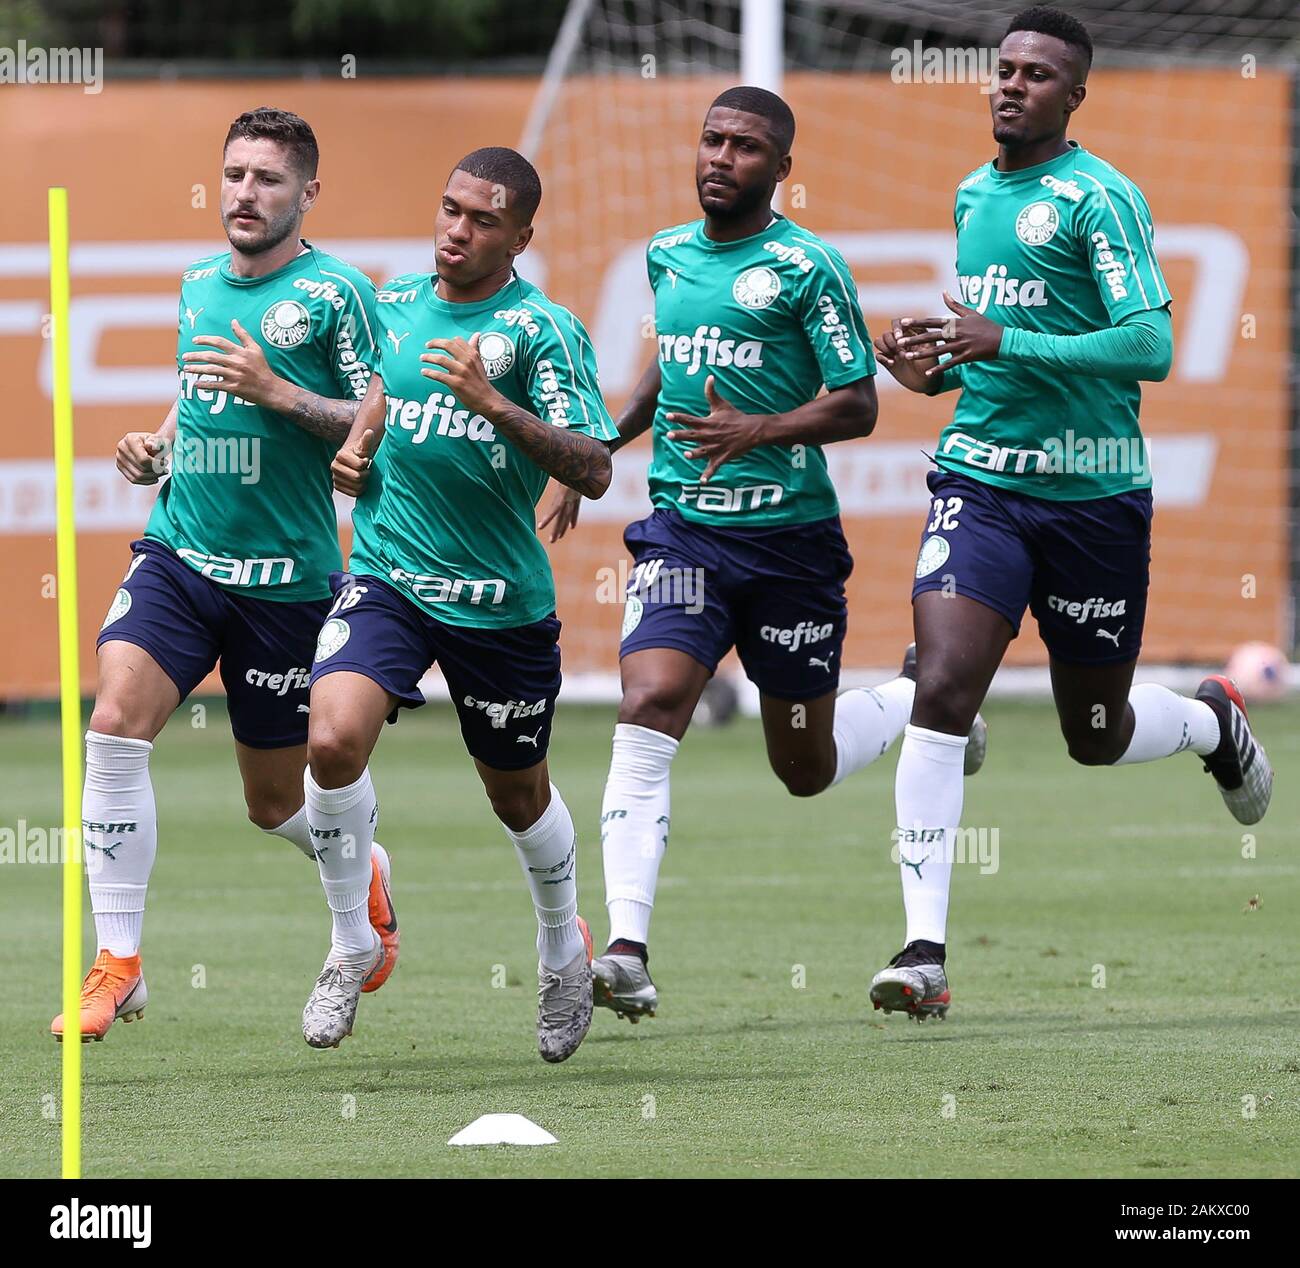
[
  {"x": 319, "y": 415},
  {"x": 578, "y": 461}
]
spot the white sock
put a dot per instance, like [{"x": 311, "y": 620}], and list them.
[
  {"x": 342, "y": 826},
  {"x": 548, "y": 854},
  {"x": 634, "y": 827},
  {"x": 867, "y": 721},
  {"x": 1165, "y": 723},
  {"x": 120, "y": 835},
  {"x": 928, "y": 791},
  {"x": 296, "y": 831}
]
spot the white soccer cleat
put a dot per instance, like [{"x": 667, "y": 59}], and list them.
[
  {"x": 1239, "y": 765},
  {"x": 331, "y": 1007},
  {"x": 977, "y": 746},
  {"x": 564, "y": 1003},
  {"x": 913, "y": 983},
  {"x": 623, "y": 984}
]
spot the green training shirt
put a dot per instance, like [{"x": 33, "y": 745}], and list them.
[
  {"x": 772, "y": 317},
  {"x": 250, "y": 502},
  {"x": 1065, "y": 248},
  {"x": 448, "y": 514}
]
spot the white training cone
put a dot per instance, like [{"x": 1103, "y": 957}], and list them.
[{"x": 503, "y": 1129}]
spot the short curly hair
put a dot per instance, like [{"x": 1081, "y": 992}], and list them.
[
  {"x": 1045, "y": 20},
  {"x": 767, "y": 105},
  {"x": 509, "y": 169}
]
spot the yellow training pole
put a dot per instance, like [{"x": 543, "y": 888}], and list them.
[{"x": 69, "y": 682}]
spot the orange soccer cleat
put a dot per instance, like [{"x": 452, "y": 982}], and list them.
[
  {"x": 383, "y": 919},
  {"x": 113, "y": 988}
]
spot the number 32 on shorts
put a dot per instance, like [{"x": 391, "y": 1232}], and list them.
[{"x": 945, "y": 515}]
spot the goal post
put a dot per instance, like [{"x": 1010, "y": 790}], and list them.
[{"x": 891, "y": 104}]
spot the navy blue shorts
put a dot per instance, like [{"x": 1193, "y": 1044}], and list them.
[
  {"x": 502, "y": 682},
  {"x": 188, "y": 622},
  {"x": 1081, "y": 567},
  {"x": 775, "y": 594}
]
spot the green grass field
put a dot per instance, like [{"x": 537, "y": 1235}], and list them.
[{"x": 745, "y": 1072}]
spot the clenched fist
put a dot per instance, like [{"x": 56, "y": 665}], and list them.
[
  {"x": 351, "y": 465},
  {"x": 142, "y": 456}
]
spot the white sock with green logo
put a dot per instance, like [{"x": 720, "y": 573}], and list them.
[
  {"x": 342, "y": 826},
  {"x": 548, "y": 854},
  {"x": 634, "y": 827},
  {"x": 867, "y": 721},
  {"x": 1165, "y": 723},
  {"x": 120, "y": 837},
  {"x": 928, "y": 789},
  {"x": 296, "y": 831}
]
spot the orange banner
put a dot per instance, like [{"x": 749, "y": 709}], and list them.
[{"x": 876, "y": 164}]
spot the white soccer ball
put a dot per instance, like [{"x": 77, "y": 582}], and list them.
[{"x": 1261, "y": 671}]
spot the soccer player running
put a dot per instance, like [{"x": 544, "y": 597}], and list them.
[
  {"x": 484, "y": 388},
  {"x": 235, "y": 560},
  {"x": 1066, "y": 312},
  {"x": 744, "y": 547}
]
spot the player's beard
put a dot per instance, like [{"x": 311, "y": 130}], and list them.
[
  {"x": 277, "y": 231},
  {"x": 747, "y": 202},
  {"x": 1025, "y": 129},
  {"x": 1006, "y": 133}
]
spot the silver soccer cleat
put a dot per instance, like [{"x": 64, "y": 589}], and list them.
[
  {"x": 977, "y": 743},
  {"x": 1239, "y": 765},
  {"x": 563, "y": 1007},
  {"x": 331, "y": 1007},
  {"x": 912, "y": 984},
  {"x": 623, "y": 984}
]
